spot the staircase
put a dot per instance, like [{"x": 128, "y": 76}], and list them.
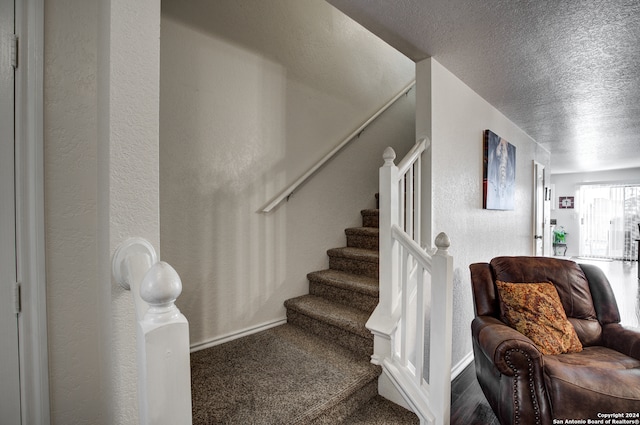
[
  {"x": 315, "y": 369},
  {"x": 342, "y": 298}
]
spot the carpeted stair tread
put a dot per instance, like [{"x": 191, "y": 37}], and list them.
[
  {"x": 283, "y": 375},
  {"x": 354, "y": 253},
  {"x": 350, "y": 289},
  {"x": 344, "y": 317},
  {"x": 364, "y": 231},
  {"x": 380, "y": 411},
  {"x": 360, "y": 261},
  {"x": 363, "y": 284},
  {"x": 363, "y": 237},
  {"x": 340, "y": 407}
]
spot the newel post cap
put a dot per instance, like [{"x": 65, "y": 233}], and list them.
[
  {"x": 442, "y": 242},
  {"x": 161, "y": 285},
  {"x": 389, "y": 155}
]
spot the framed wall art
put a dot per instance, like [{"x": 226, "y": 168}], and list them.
[
  {"x": 499, "y": 181},
  {"x": 566, "y": 202}
]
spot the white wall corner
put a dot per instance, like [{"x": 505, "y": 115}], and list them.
[
  {"x": 423, "y": 99},
  {"x": 424, "y": 119},
  {"x": 128, "y": 178}
]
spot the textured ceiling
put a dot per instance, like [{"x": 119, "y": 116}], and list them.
[{"x": 566, "y": 72}]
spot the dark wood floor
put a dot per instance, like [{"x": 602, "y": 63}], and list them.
[{"x": 468, "y": 404}]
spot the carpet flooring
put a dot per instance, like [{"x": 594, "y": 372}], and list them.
[{"x": 280, "y": 376}]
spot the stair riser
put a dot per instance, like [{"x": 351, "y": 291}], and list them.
[
  {"x": 357, "y": 344},
  {"x": 370, "y": 221},
  {"x": 364, "y": 268},
  {"x": 362, "y": 241},
  {"x": 344, "y": 296},
  {"x": 347, "y": 407}
]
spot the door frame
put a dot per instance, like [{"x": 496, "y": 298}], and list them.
[
  {"x": 29, "y": 133},
  {"x": 9, "y": 337},
  {"x": 540, "y": 214}
]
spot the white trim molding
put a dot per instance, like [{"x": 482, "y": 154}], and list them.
[
  {"x": 237, "y": 335},
  {"x": 34, "y": 369},
  {"x": 461, "y": 365}
]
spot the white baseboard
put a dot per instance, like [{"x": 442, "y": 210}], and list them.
[
  {"x": 236, "y": 335},
  {"x": 462, "y": 365}
]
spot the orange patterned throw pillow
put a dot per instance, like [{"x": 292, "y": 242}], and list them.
[{"x": 535, "y": 310}]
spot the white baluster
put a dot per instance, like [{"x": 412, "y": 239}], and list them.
[
  {"x": 417, "y": 236},
  {"x": 420, "y": 331}
]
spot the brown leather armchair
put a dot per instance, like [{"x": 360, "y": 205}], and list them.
[{"x": 522, "y": 385}]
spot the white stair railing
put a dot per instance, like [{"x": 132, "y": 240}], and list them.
[
  {"x": 162, "y": 334},
  {"x": 412, "y": 322}
]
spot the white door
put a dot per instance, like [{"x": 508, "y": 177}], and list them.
[
  {"x": 9, "y": 355},
  {"x": 538, "y": 210}
]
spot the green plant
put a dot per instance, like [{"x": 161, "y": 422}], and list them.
[{"x": 559, "y": 235}]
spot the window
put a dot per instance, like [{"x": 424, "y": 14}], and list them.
[{"x": 609, "y": 221}]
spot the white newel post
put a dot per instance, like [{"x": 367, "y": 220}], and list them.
[
  {"x": 162, "y": 334},
  {"x": 389, "y": 215},
  {"x": 441, "y": 329},
  {"x": 381, "y": 320}
]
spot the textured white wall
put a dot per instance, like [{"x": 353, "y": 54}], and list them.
[
  {"x": 567, "y": 185},
  {"x": 128, "y": 201},
  {"x": 101, "y": 186},
  {"x": 459, "y": 117},
  {"x": 253, "y": 93},
  {"x": 70, "y": 125}
]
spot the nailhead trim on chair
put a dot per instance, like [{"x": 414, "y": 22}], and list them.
[{"x": 515, "y": 386}]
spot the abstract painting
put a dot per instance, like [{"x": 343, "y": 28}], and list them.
[{"x": 499, "y": 182}]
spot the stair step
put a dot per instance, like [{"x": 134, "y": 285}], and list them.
[
  {"x": 283, "y": 375},
  {"x": 370, "y": 218},
  {"x": 346, "y": 288},
  {"x": 363, "y": 237},
  {"x": 354, "y": 260},
  {"x": 339, "y": 410},
  {"x": 380, "y": 411},
  {"x": 335, "y": 322}
]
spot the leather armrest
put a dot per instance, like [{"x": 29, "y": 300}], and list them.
[
  {"x": 604, "y": 301},
  {"x": 621, "y": 339},
  {"x": 505, "y": 347}
]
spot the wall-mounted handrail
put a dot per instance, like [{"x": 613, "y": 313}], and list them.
[
  {"x": 288, "y": 191},
  {"x": 162, "y": 334}
]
